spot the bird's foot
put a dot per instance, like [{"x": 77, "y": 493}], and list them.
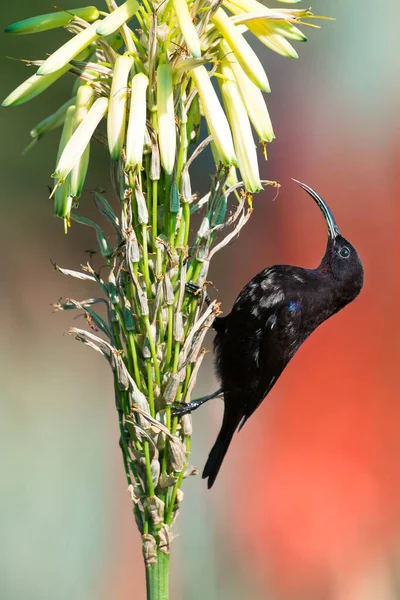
[
  {"x": 183, "y": 408},
  {"x": 197, "y": 290}
]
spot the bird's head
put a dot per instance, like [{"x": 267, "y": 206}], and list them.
[{"x": 340, "y": 259}]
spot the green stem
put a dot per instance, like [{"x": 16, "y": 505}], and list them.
[
  {"x": 154, "y": 213},
  {"x": 146, "y": 259},
  {"x": 166, "y": 204},
  {"x": 157, "y": 578}
]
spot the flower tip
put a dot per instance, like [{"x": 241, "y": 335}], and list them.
[{"x": 45, "y": 70}]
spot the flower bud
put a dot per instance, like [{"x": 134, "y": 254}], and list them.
[
  {"x": 243, "y": 138},
  {"x": 33, "y": 86},
  {"x": 80, "y": 139},
  {"x": 214, "y": 115},
  {"x": 117, "y": 18},
  {"x": 69, "y": 50},
  {"x": 137, "y": 121},
  {"x": 245, "y": 55},
  {"x": 61, "y": 18},
  {"x": 188, "y": 30},
  {"x": 84, "y": 100},
  {"x": 252, "y": 98},
  {"x": 166, "y": 118},
  {"x": 116, "y": 118},
  {"x": 62, "y": 199},
  {"x": 265, "y": 30}
]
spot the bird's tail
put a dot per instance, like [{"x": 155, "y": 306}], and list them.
[{"x": 218, "y": 451}]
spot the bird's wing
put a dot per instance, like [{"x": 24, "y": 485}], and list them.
[{"x": 281, "y": 322}]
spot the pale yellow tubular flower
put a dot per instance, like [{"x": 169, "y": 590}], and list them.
[
  {"x": 232, "y": 175},
  {"x": 117, "y": 18},
  {"x": 137, "y": 122},
  {"x": 289, "y": 31},
  {"x": 263, "y": 30},
  {"x": 214, "y": 115},
  {"x": 252, "y": 97},
  {"x": 214, "y": 152},
  {"x": 116, "y": 118},
  {"x": 289, "y": 1},
  {"x": 166, "y": 118},
  {"x": 242, "y": 50},
  {"x": 84, "y": 100},
  {"x": 187, "y": 28},
  {"x": 232, "y": 178},
  {"x": 69, "y": 51},
  {"x": 33, "y": 86},
  {"x": 274, "y": 41},
  {"x": 53, "y": 20},
  {"x": 62, "y": 199},
  {"x": 298, "y": 13},
  {"x": 80, "y": 139},
  {"x": 278, "y": 20},
  {"x": 242, "y": 136}
]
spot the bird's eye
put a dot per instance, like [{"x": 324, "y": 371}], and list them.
[{"x": 344, "y": 252}]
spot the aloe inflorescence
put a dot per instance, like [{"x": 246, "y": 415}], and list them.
[{"x": 151, "y": 70}]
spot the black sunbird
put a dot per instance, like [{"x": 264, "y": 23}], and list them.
[{"x": 270, "y": 319}]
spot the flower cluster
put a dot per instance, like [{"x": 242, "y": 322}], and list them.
[{"x": 152, "y": 84}]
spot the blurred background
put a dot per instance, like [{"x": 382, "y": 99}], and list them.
[{"x": 307, "y": 505}]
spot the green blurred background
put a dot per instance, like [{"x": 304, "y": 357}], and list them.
[{"x": 307, "y": 505}]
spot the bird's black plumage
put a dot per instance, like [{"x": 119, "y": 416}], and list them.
[{"x": 272, "y": 316}]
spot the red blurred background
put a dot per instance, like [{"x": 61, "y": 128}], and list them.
[{"x": 307, "y": 505}]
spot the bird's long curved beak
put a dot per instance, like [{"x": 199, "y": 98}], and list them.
[{"x": 333, "y": 229}]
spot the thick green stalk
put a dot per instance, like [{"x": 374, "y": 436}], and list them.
[{"x": 157, "y": 578}]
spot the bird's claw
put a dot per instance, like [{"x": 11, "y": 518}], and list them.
[
  {"x": 181, "y": 408},
  {"x": 197, "y": 290}
]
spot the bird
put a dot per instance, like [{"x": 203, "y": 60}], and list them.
[{"x": 270, "y": 319}]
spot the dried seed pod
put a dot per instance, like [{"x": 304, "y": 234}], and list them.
[
  {"x": 155, "y": 471},
  {"x": 155, "y": 507},
  {"x": 149, "y": 549},
  {"x": 179, "y": 330},
  {"x": 171, "y": 388},
  {"x": 179, "y": 497},
  {"x": 167, "y": 480},
  {"x": 142, "y": 297},
  {"x": 143, "y": 213},
  {"x": 187, "y": 425},
  {"x": 134, "y": 492},
  {"x": 168, "y": 290},
  {"x": 165, "y": 538},
  {"x": 176, "y": 455},
  {"x": 191, "y": 472}
]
